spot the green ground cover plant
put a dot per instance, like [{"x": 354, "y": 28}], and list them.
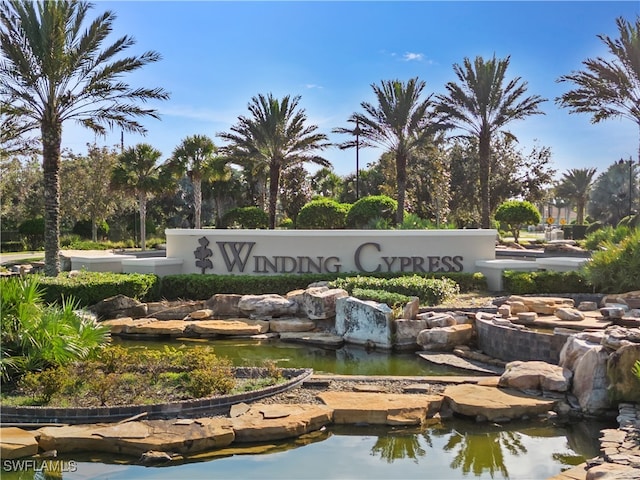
[
  {"x": 37, "y": 336},
  {"x": 125, "y": 376}
]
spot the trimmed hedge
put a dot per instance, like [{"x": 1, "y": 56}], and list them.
[
  {"x": 430, "y": 291},
  {"x": 89, "y": 288},
  {"x": 519, "y": 283},
  {"x": 381, "y": 296},
  {"x": 202, "y": 287}
]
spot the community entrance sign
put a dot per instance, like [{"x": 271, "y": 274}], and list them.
[{"x": 268, "y": 252}]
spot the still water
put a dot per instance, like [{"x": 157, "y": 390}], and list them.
[
  {"x": 349, "y": 360},
  {"x": 453, "y": 450}
]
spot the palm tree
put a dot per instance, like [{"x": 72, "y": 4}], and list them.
[
  {"x": 196, "y": 156},
  {"x": 575, "y": 185},
  {"x": 138, "y": 171},
  {"x": 483, "y": 105},
  {"x": 609, "y": 88},
  {"x": 53, "y": 70},
  {"x": 400, "y": 123},
  {"x": 275, "y": 137}
]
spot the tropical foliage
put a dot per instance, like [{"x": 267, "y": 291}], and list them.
[
  {"x": 609, "y": 88},
  {"x": 401, "y": 122},
  {"x": 196, "y": 156},
  {"x": 483, "y": 103},
  {"x": 611, "y": 269},
  {"x": 36, "y": 336},
  {"x": 139, "y": 173},
  {"x": 575, "y": 185},
  {"x": 56, "y": 67},
  {"x": 273, "y": 137}
]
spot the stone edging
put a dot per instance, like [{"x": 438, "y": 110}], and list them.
[{"x": 218, "y": 404}]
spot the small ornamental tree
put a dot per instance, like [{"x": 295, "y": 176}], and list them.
[{"x": 515, "y": 214}]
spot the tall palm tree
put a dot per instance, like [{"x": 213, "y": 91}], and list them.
[
  {"x": 56, "y": 68},
  {"x": 139, "y": 172},
  {"x": 609, "y": 88},
  {"x": 575, "y": 185},
  {"x": 196, "y": 156},
  {"x": 400, "y": 122},
  {"x": 483, "y": 105},
  {"x": 275, "y": 136}
]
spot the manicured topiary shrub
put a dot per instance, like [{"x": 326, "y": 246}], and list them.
[
  {"x": 371, "y": 209},
  {"x": 521, "y": 283},
  {"x": 323, "y": 213},
  {"x": 89, "y": 288},
  {"x": 245, "y": 217}
]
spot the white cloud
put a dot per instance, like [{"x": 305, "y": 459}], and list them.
[
  {"x": 313, "y": 85},
  {"x": 409, "y": 56}
]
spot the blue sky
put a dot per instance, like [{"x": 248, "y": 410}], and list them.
[{"x": 217, "y": 55}]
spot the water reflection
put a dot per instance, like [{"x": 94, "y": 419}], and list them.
[{"x": 450, "y": 450}]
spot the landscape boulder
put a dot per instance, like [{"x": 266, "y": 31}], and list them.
[
  {"x": 445, "y": 338},
  {"x": 364, "y": 322},
  {"x": 119, "y": 306},
  {"x": 224, "y": 305},
  {"x": 624, "y": 386},
  {"x": 319, "y": 303},
  {"x": 266, "y": 306},
  {"x": 536, "y": 375}
]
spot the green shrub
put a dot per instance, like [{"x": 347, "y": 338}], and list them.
[
  {"x": 83, "y": 228},
  {"x": 245, "y": 217},
  {"x": 33, "y": 231},
  {"x": 412, "y": 221},
  {"x": 597, "y": 239},
  {"x": 212, "y": 380},
  {"x": 520, "y": 283},
  {"x": 37, "y": 336},
  {"x": 430, "y": 291},
  {"x": 41, "y": 386},
  {"x": 616, "y": 267},
  {"x": 381, "y": 296},
  {"x": 371, "y": 208},
  {"x": 15, "y": 246},
  {"x": 202, "y": 287},
  {"x": 286, "y": 223},
  {"x": 89, "y": 288},
  {"x": 323, "y": 213}
]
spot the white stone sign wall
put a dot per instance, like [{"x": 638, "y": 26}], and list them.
[{"x": 268, "y": 252}]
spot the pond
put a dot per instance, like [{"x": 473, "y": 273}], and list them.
[
  {"x": 451, "y": 450},
  {"x": 348, "y": 360}
]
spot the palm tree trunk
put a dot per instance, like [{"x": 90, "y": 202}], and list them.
[
  {"x": 401, "y": 177},
  {"x": 51, "y": 138},
  {"x": 485, "y": 173},
  {"x": 197, "y": 200},
  {"x": 274, "y": 183},
  {"x": 142, "y": 201}
]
